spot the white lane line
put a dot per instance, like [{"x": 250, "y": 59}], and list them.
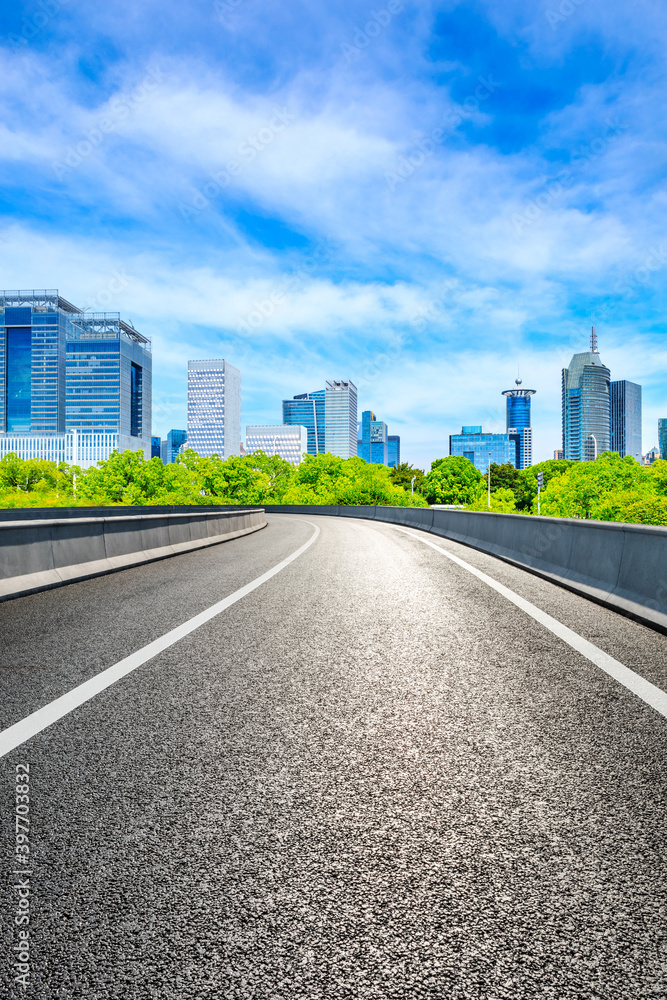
[
  {"x": 17, "y": 734},
  {"x": 648, "y": 692}
]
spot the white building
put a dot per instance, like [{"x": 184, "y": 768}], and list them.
[
  {"x": 340, "y": 417},
  {"x": 74, "y": 448},
  {"x": 214, "y": 408},
  {"x": 289, "y": 441}
]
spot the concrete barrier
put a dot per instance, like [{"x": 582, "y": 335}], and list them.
[
  {"x": 40, "y": 553},
  {"x": 621, "y": 566}
]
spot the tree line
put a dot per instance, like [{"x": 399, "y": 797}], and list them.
[{"x": 609, "y": 489}]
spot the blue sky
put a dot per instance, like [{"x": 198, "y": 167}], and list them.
[{"x": 420, "y": 196}]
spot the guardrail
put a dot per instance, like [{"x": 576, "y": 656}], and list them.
[
  {"x": 38, "y": 553},
  {"x": 621, "y": 566}
]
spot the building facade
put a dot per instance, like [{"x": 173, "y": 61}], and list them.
[
  {"x": 662, "y": 437},
  {"x": 64, "y": 370},
  {"x": 586, "y": 411},
  {"x": 340, "y": 418},
  {"x": 214, "y": 408},
  {"x": 625, "y": 405},
  {"x": 288, "y": 441},
  {"x": 155, "y": 447},
  {"x": 375, "y": 444},
  {"x": 480, "y": 448},
  {"x": 307, "y": 410},
  {"x": 175, "y": 440},
  {"x": 519, "y": 423},
  {"x": 394, "y": 448},
  {"x": 329, "y": 416}
]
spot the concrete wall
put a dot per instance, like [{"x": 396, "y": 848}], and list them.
[
  {"x": 37, "y": 553},
  {"x": 622, "y": 566}
]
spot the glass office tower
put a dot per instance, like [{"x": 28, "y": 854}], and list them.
[
  {"x": 63, "y": 370},
  {"x": 307, "y": 410},
  {"x": 479, "y": 448},
  {"x": 340, "y": 417},
  {"x": 214, "y": 408},
  {"x": 586, "y": 406},
  {"x": 394, "y": 449},
  {"x": 518, "y": 424},
  {"x": 373, "y": 446},
  {"x": 662, "y": 437},
  {"x": 175, "y": 439},
  {"x": 625, "y": 400}
]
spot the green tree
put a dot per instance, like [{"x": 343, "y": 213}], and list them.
[
  {"x": 503, "y": 501},
  {"x": 452, "y": 480},
  {"x": 403, "y": 474},
  {"x": 601, "y": 489}
]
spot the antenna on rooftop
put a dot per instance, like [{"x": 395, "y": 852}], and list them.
[{"x": 594, "y": 336}]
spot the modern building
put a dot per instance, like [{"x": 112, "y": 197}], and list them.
[
  {"x": 340, "y": 418},
  {"x": 651, "y": 456},
  {"x": 373, "y": 445},
  {"x": 519, "y": 424},
  {"x": 480, "y": 448},
  {"x": 155, "y": 447},
  {"x": 625, "y": 399},
  {"x": 214, "y": 408},
  {"x": 307, "y": 410},
  {"x": 662, "y": 437},
  {"x": 394, "y": 447},
  {"x": 329, "y": 416},
  {"x": 65, "y": 370},
  {"x": 586, "y": 406},
  {"x": 288, "y": 441},
  {"x": 175, "y": 440},
  {"x": 558, "y": 454}
]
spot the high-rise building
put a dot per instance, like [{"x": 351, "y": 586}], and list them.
[
  {"x": 340, "y": 417},
  {"x": 480, "y": 448},
  {"x": 214, "y": 408},
  {"x": 519, "y": 425},
  {"x": 175, "y": 440},
  {"x": 307, "y": 410},
  {"x": 662, "y": 437},
  {"x": 373, "y": 445},
  {"x": 155, "y": 447},
  {"x": 329, "y": 416},
  {"x": 625, "y": 400},
  {"x": 585, "y": 406},
  {"x": 558, "y": 454},
  {"x": 289, "y": 441},
  {"x": 394, "y": 446},
  {"x": 63, "y": 370}
]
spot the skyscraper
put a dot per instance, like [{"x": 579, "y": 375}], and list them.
[
  {"x": 307, "y": 410},
  {"x": 518, "y": 423},
  {"x": 340, "y": 417},
  {"x": 175, "y": 439},
  {"x": 480, "y": 448},
  {"x": 329, "y": 416},
  {"x": 373, "y": 446},
  {"x": 662, "y": 437},
  {"x": 63, "y": 372},
  {"x": 585, "y": 406},
  {"x": 214, "y": 408},
  {"x": 394, "y": 447},
  {"x": 626, "y": 418}
]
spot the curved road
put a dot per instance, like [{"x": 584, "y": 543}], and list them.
[{"x": 372, "y": 776}]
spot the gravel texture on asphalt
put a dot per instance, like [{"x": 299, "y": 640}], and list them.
[{"x": 373, "y": 777}]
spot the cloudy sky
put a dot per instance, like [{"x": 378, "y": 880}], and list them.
[{"x": 421, "y": 197}]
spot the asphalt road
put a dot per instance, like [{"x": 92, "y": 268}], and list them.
[{"x": 371, "y": 777}]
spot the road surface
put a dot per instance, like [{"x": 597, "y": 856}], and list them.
[{"x": 371, "y": 776}]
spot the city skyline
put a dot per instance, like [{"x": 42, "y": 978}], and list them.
[{"x": 425, "y": 208}]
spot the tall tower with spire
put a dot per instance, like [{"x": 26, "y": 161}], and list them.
[
  {"x": 586, "y": 405},
  {"x": 518, "y": 423}
]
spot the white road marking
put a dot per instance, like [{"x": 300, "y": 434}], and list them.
[
  {"x": 648, "y": 692},
  {"x": 17, "y": 734}
]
